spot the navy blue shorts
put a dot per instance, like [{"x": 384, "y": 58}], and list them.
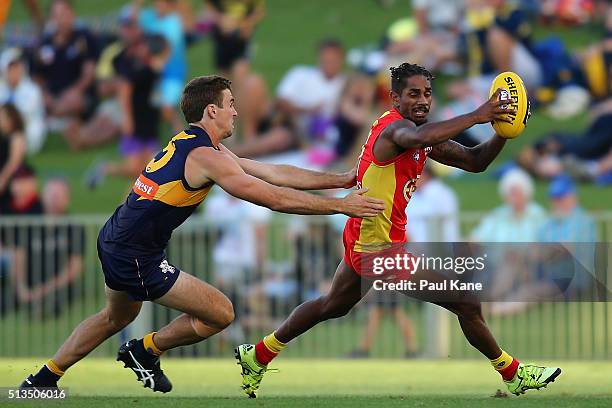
[{"x": 143, "y": 278}]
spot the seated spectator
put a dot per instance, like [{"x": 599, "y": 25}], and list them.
[
  {"x": 430, "y": 38},
  {"x": 108, "y": 118},
  {"x": 519, "y": 219},
  {"x": 138, "y": 68},
  {"x": 509, "y": 43},
  {"x": 47, "y": 264},
  {"x": 310, "y": 95},
  {"x": 17, "y": 88},
  {"x": 24, "y": 193},
  {"x": 164, "y": 20},
  {"x": 549, "y": 270},
  {"x": 64, "y": 66},
  {"x": 585, "y": 155},
  {"x": 12, "y": 151}
]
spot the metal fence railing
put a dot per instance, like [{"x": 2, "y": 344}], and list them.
[{"x": 50, "y": 279}]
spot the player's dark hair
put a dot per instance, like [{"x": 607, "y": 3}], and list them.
[
  {"x": 404, "y": 71},
  {"x": 201, "y": 92}
]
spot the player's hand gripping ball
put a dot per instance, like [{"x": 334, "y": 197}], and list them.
[{"x": 514, "y": 89}]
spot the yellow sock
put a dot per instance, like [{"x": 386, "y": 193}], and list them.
[
  {"x": 502, "y": 361},
  {"x": 272, "y": 343},
  {"x": 150, "y": 346},
  {"x": 54, "y": 368}
]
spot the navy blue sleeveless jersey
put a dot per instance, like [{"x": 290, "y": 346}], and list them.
[{"x": 160, "y": 200}]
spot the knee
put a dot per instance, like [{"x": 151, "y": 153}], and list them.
[
  {"x": 469, "y": 310},
  {"x": 332, "y": 309},
  {"x": 224, "y": 316},
  {"x": 117, "y": 322}
]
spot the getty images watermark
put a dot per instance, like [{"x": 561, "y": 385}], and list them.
[{"x": 396, "y": 272}]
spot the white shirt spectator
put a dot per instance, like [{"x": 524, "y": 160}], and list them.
[
  {"x": 28, "y": 99},
  {"x": 433, "y": 213},
  {"x": 307, "y": 88},
  {"x": 441, "y": 14},
  {"x": 236, "y": 249}
]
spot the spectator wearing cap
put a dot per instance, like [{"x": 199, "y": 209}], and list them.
[
  {"x": 64, "y": 66},
  {"x": 17, "y": 88},
  {"x": 519, "y": 218},
  {"x": 568, "y": 222},
  {"x": 12, "y": 151}
]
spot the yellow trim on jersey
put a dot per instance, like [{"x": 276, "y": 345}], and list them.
[
  {"x": 380, "y": 180},
  {"x": 169, "y": 151},
  {"x": 176, "y": 195}
]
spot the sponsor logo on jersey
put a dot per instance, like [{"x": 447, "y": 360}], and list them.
[{"x": 145, "y": 187}]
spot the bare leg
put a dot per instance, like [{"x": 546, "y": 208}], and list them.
[
  {"x": 374, "y": 318},
  {"x": 120, "y": 310},
  {"x": 468, "y": 311},
  {"x": 207, "y": 311},
  {"x": 345, "y": 292},
  {"x": 406, "y": 327}
]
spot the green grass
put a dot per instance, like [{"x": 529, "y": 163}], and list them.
[
  {"x": 301, "y": 383},
  {"x": 286, "y": 37}
]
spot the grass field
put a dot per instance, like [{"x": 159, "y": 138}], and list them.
[{"x": 323, "y": 383}]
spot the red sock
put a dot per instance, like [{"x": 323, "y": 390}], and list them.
[
  {"x": 262, "y": 354},
  {"x": 508, "y": 372}
]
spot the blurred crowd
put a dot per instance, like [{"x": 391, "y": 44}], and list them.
[{"x": 118, "y": 80}]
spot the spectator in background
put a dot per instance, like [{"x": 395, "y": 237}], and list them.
[
  {"x": 106, "y": 122},
  {"x": 18, "y": 89},
  {"x": 64, "y": 66},
  {"x": 239, "y": 252},
  {"x": 430, "y": 38},
  {"x": 310, "y": 95},
  {"x": 234, "y": 22},
  {"x": 567, "y": 222},
  {"x": 48, "y": 260},
  {"x": 164, "y": 19},
  {"x": 138, "y": 68},
  {"x": 24, "y": 193},
  {"x": 549, "y": 268},
  {"x": 12, "y": 151},
  {"x": 433, "y": 213},
  {"x": 509, "y": 43},
  {"x": 519, "y": 219}
]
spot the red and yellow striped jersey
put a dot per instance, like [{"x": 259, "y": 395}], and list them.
[{"x": 393, "y": 181}]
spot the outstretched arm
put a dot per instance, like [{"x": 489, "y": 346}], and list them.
[
  {"x": 473, "y": 159},
  {"x": 221, "y": 168},
  {"x": 294, "y": 177}
]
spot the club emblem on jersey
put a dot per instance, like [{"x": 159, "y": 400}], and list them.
[
  {"x": 416, "y": 156},
  {"x": 410, "y": 187},
  {"x": 428, "y": 150},
  {"x": 166, "y": 267}
]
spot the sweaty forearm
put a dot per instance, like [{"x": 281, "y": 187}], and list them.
[
  {"x": 291, "y": 201},
  {"x": 302, "y": 179},
  {"x": 431, "y": 134},
  {"x": 485, "y": 153}
]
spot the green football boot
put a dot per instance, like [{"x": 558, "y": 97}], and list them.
[
  {"x": 252, "y": 370},
  {"x": 531, "y": 377}
]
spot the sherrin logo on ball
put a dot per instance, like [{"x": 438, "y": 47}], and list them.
[{"x": 514, "y": 90}]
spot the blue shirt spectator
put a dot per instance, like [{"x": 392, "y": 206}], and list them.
[{"x": 170, "y": 27}]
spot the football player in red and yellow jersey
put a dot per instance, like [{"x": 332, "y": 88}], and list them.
[{"x": 389, "y": 165}]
